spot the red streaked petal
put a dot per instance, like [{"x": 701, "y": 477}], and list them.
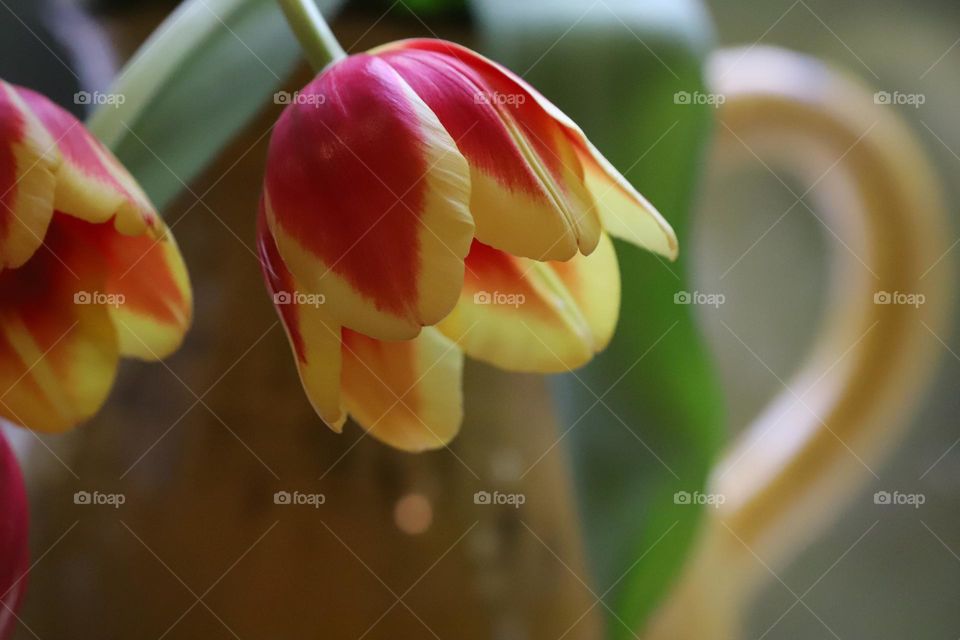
[
  {"x": 58, "y": 349},
  {"x": 91, "y": 182},
  {"x": 407, "y": 393},
  {"x": 315, "y": 340},
  {"x": 528, "y": 194},
  {"x": 622, "y": 210},
  {"x": 367, "y": 197},
  {"x": 28, "y": 164},
  {"x": 15, "y": 558},
  {"x": 524, "y": 315}
]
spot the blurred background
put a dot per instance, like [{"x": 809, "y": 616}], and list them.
[
  {"x": 899, "y": 580},
  {"x": 202, "y": 442}
]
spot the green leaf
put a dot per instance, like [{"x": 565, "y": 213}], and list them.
[
  {"x": 660, "y": 422},
  {"x": 193, "y": 85}
]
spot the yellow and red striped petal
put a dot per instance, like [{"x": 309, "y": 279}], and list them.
[
  {"x": 28, "y": 163},
  {"x": 89, "y": 295},
  {"x": 408, "y": 393},
  {"x": 548, "y": 133},
  {"x": 91, "y": 184},
  {"x": 528, "y": 196},
  {"x": 146, "y": 280},
  {"x": 625, "y": 213},
  {"x": 314, "y": 338},
  {"x": 367, "y": 198},
  {"x": 405, "y": 393},
  {"x": 58, "y": 346},
  {"x": 546, "y": 317}
]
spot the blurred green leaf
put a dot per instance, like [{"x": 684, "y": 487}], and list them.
[
  {"x": 657, "y": 427},
  {"x": 193, "y": 85}
]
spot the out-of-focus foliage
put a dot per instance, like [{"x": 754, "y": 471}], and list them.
[
  {"x": 199, "y": 79},
  {"x": 646, "y": 419}
]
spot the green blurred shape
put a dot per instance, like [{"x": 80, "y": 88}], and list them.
[
  {"x": 616, "y": 67},
  {"x": 194, "y": 85}
]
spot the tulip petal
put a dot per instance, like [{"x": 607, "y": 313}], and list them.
[
  {"x": 28, "y": 164},
  {"x": 147, "y": 288},
  {"x": 625, "y": 213},
  {"x": 528, "y": 196},
  {"x": 58, "y": 351},
  {"x": 367, "y": 197},
  {"x": 314, "y": 338},
  {"x": 622, "y": 210},
  {"x": 91, "y": 183},
  {"x": 545, "y": 317},
  {"x": 408, "y": 393}
]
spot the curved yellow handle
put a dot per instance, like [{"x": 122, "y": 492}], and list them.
[{"x": 813, "y": 446}]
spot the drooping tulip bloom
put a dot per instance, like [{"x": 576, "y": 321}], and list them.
[
  {"x": 421, "y": 203},
  {"x": 14, "y": 551},
  {"x": 88, "y": 271}
]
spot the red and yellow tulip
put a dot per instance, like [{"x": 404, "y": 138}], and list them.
[
  {"x": 14, "y": 550},
  {"x": 421, "y": 203},
  {"x": 88, "y": 271}
]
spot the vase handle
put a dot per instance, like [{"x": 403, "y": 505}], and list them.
[{"x": 803, "y": 458}]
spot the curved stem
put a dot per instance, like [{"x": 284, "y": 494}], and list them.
[{"x": 319, "y": 44}]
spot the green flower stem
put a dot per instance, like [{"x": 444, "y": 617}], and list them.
[{"x": 319, "y": 45}]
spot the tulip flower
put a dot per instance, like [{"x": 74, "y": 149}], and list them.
[
  {"x": 14, "y": 552},
  {"x": 88, "y": 271},
  {"x": 420, "y": 203}
]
